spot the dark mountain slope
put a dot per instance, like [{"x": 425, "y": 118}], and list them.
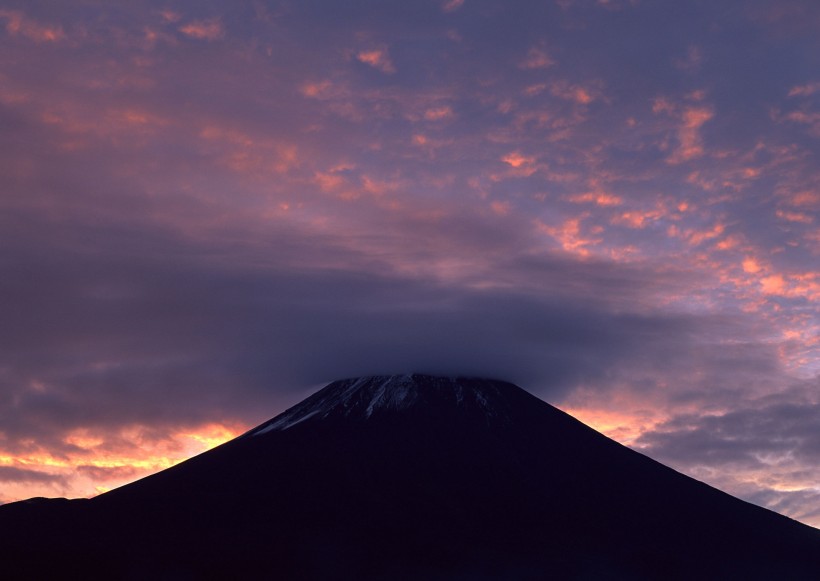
[{"x": 410, "y": 477}]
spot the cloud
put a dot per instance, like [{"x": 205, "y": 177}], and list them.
[
  {"x": 766, "y": 451},
  {"x": 804, "y": 90},
  {"x": 537, "y": 58},
  {"x": 378, "y": 58},
  {"x": 204, "y": 29},
  {"x": 452, "y": 5},
  {"x": 15, "y": 474},
  {"x": 690, "y": 142},
  {"x": 166, "y": 336},
  {"x": 581, "y": 95},
  {"x": 19, "y": 24},
  {"x": 692, "y": 61},
  {"x": 438, "y": 113}
]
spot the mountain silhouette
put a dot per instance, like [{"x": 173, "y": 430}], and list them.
[{"x": 410, "y": 478}]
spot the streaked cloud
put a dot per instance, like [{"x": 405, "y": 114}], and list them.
[{"x": 203, "y": 29}]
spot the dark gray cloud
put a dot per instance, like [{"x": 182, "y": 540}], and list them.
[
  {"x": 160, "y": 332},
  {"x": 798, "y": 504},
  {"x": 14, "y": 474},
  {"x": 765, "y": 451},
  {"x": 753, "y": 435},
  {"x": 113, "y": 336}
]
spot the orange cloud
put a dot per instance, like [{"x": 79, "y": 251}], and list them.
[
  {"x": 620, "y": 425},
  {"x": 750, "y": 265},
  {"x": 204, "y": 29},
  {"x": 94, "y": 462},
  {"x": 773, "y": 285}
]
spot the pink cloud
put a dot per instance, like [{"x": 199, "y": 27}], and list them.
[
  {"x": 692, "y": 61},
  {"x": 580, "y": 94},
  {"x": 638, "y": 219},
  {"x": 378, "y": 58},
  {"x": 804, "y": 90},
  {"x": 500, "y": 208},
  {"x": 204, "y": 29},
  {"x": 570, "y": 236},
  {"x": 806, "y": 198},
  {"x": 804, "y": 117},
  {"x": 170, "y": 16},
  {"x": 773, "y": 285},
  {"x": 452, "y": 5},
  {"x": 537, "y": 58},
  {"x": 517, "y": 159},
  {"x": 598, "y": 197},
  {"x": 800, "y": 217},
  {"x": 438, "y": 113},
  {"x": 690, "y": 121},
  {"x": 751, "y": 265},
  {"x": 18, "y": 24},
  {"x": 316, "y": 89}
]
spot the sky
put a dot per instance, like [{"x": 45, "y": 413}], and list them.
[{"x": 211, "y": 208}]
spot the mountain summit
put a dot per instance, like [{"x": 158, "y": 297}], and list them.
[
  {"x": 360, "y": 398},
  {"x": 410, "y": 477}
]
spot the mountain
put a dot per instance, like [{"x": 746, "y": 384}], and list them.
[{"x": 410, "y": 478}]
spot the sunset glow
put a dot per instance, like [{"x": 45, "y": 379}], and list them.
[{"x": 94, "y": 463}]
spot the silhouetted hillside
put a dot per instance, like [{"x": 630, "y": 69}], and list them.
[{"x": 410, "y": 477}]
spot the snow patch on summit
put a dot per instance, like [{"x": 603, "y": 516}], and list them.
[
  {"x": 394, "y": 393},
  {"x": 364, "y": 397}
]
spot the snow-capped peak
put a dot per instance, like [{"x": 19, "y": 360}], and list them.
[{"x": 363, "y": 397}]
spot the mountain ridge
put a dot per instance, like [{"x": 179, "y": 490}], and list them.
[{"x": 413, "y": 484}]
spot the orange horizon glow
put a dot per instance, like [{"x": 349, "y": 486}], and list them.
[{"x": 101, "y": 461}]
